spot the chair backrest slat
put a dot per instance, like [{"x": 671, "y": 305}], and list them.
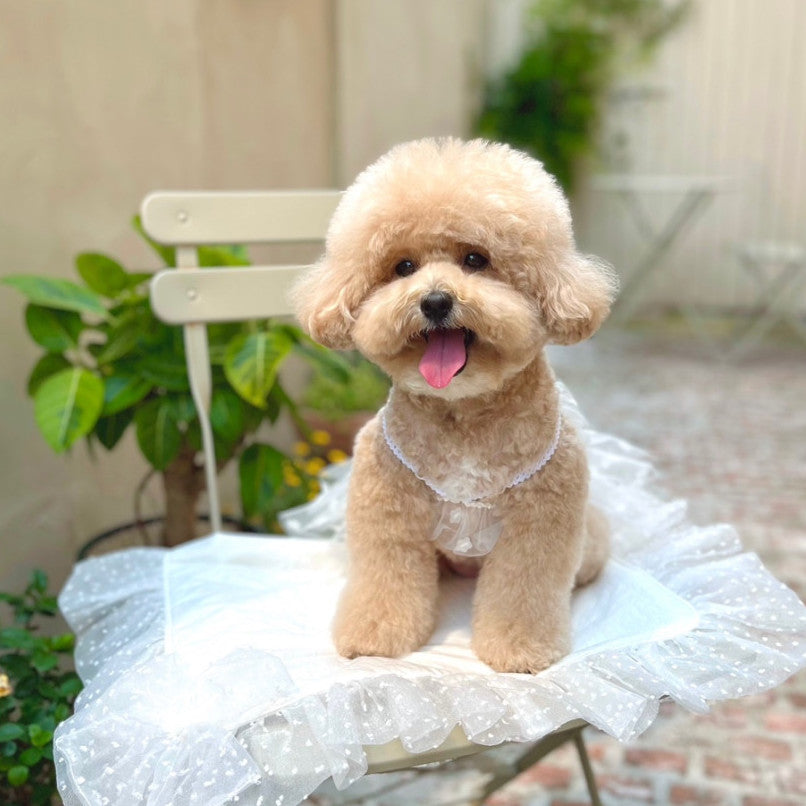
[
  {"x": 198, "y": 218},
  {"x": 222, "y": 295}
]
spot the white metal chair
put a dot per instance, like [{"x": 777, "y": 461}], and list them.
[
  {"x": 194, "y": 297},
  {"x": 185, "y": 714}
]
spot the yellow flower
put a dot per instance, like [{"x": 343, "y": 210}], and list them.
[
  {"x": 313, "y": 490},
  {"x": 320, "y": 438},
  {"x": 5, "y": 686},
  {"x": 334, "y": 456},
  {"x": 314, "y": 466},
  {"x": 290, "y": 476},
  {"x": 302, "y": 449}
]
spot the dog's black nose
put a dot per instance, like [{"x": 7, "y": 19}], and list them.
[{"x": 436, "y": 305}]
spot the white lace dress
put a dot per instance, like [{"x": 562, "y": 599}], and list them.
[{"x": 211, "y": 677}]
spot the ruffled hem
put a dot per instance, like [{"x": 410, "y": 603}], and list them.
[{"x": 151, "y": 728}]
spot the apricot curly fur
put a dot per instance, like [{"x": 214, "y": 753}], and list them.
[{"x": 432, "y": 202}]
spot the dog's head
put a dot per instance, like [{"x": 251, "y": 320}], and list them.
[{"x": 451, "y": 264}]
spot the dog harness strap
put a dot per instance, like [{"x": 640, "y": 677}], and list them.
[{"x": 478, "y": 501}]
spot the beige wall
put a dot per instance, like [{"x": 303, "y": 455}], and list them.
[
  {"x": 102, "y": 102},
  {"x": 405, "y": 70}
]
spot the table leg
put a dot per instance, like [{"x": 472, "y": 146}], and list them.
[
  {"x": 660, "y": 243},
  {"x": 774, "y": 308}
]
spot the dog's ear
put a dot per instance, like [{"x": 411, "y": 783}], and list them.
[
  {"x": 323, "y": 308},
  {"x": 575, "y": 298}
]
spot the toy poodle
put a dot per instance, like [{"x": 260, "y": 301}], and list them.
[{"x": 451, "y": 265}]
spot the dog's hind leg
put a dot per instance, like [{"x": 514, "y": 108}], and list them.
[{"x": 596, "y": 547}]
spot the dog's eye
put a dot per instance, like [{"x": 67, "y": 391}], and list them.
[
  {"x": 405, "y": 268},
  {"x": 475, "y": 261}
]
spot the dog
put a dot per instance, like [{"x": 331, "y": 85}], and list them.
[{"x": 451, "y": 265}]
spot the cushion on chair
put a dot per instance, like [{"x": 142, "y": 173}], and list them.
[{"x": 211, "y": 677}]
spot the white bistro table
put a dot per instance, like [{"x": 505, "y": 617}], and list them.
[{"x": 694, "y": 193}]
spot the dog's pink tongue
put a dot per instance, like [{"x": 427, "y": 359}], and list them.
[{"x": 444, "y": 356}]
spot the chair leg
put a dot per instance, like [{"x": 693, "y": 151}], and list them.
[
  {"x": 535, "y": 754},
  {"x": 584, "y": 760}
]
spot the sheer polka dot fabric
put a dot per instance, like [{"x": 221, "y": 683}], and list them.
[{"x": 210, "y": 677}]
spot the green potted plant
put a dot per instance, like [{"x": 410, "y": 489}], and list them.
[
  {"x": 37, "y": 690},
  {"x": 109, "y": 365},
  {"x": 340, "y": 406},
  {"x": 550, "y": 102}
]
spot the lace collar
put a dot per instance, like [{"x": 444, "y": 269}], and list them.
[{"x": 477, "y": 501}]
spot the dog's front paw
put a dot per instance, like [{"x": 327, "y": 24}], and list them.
[
  {"x": 364, "y": 626},
  {"x": 523, "y": 656},
  {"x": 368, "y": 636}
]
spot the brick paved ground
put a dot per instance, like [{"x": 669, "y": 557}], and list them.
[{"x": 730, "y": 438}]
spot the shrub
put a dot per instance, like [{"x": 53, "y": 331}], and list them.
[
  {"x": 549, "y": 103},
  {"x": 37, "y": 690}
]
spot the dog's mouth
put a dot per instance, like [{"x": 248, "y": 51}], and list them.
[{"x": 445, "y": 354}]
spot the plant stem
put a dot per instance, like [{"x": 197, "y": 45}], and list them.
[
  {"x": 183, "y": 481},
  {"x": 138, "y": 506}
]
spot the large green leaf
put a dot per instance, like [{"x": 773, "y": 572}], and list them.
[
  {"x": 131, "y": 328},
  {"x": 253, "y": 417},
  {"x": 158, "y": 433},
  {"x": 119, "y": 343},
  {"x": 183, "y": 406},
  {"x": 53, "y": 292},
  {"x": 223, "y": 256},
  {"x": 53, "y": 329},
  {"x": 166, "y": 368},
  {"x": 123, "y": 390},
  {"x": 261, "y": 474},
  {"x": 48, "y": 365},
  {"x": 102, "y": 274},
  {"x": 227, "y": 415},
  {"x": 67, "y": 406},
  {"x": 219, "y": 335},
  {"x": 125, "y": 332},
  {"x": 110, "y": 429},
  {"x": 226, "y": 418},
  {"x": 329, "y": 363},
  {"x": 252, "y": 361}
]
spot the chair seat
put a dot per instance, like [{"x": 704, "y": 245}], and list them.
[{"x": 213, "y": 661}]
